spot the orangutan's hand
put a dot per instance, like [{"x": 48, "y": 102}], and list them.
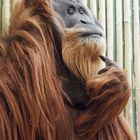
[
  {"x": 109, "y": 63},
  {"x": 109, "y": 92}
]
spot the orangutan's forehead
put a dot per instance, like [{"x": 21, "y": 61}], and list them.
[
  {"x": 75, "y": 1},
  {"x": 71, "y": 1}
]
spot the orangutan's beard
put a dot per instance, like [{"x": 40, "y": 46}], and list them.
[{"x": 81, "y": 54}]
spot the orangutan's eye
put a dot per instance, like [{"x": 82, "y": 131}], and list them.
[
  {"x": 71, "y": 10},
  {"x": 81, "y": 11}
]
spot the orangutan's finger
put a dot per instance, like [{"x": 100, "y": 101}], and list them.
[{"x": 107, "y": 61}]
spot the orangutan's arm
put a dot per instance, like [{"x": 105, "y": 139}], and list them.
[{"x": 109, "y": 93}]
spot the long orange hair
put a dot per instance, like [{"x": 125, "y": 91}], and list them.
[{"x": 31, "y": 104}]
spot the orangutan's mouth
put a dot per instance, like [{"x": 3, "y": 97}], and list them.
[{"x": 93, "y": 34}]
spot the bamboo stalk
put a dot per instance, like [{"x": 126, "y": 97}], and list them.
[
  {"x": 119, "y": 33},
  {"x": 137, "y": 62},
  {"x": 102, "y": 15},
  {"x": 110, "y": 29},
  {"x": 128, "y": 54},
  {"x": 5, "y": 15},
  {"x": 93, "y": 7}
]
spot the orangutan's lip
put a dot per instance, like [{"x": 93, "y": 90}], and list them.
[{"x": 93, "y": 34}]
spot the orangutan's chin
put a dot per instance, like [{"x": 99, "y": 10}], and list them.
[{"x": 81, "y": 54}]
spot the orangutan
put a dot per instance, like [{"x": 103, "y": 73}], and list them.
[{"x": 52, "y": 83}]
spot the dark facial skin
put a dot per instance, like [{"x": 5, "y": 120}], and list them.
[{"x": 75, "y": 13}]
